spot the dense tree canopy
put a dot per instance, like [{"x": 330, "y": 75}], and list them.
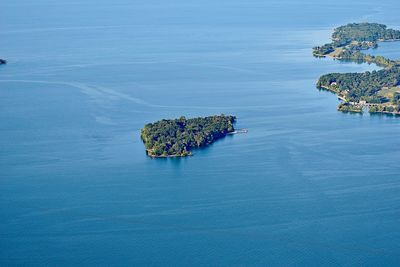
[
  {"x": 179, "y": 136},
  {"x": 361, "y": 32},
  {"x": 362, "y": 86},
  {"x": 357, "y": 36}
]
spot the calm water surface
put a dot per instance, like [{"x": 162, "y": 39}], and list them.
[{"x": 306, "y": 186}]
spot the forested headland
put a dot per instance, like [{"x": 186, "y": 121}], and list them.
[{"x": 379, "y": 91}]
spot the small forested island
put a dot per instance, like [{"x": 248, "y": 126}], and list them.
[
  {"x": 3, "y": 61},
  {"x": 177, "y": 137},
  {"x": 379, "y": 91}
]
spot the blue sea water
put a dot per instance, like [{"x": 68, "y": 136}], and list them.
[
  {"x": 306, "y": 186},
  {"x": 387, "y": 49}
]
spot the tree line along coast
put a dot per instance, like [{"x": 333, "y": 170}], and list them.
[{"x": 378, "y": 91}]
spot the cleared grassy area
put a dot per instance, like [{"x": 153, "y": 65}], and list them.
[
  {"x": 335, "y": 53},
  {"x": 389, "y": 91}
]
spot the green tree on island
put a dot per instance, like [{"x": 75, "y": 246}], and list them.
[{"x": 167, "y": 138}]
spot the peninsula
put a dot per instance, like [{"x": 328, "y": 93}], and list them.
[
  {"x": 178, "y": 137},
  {"x": 378, "y": 91}
]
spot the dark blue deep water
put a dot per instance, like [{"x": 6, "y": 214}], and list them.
[{"x": 307, "y": 186}]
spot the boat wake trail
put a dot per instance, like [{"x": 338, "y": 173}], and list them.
[{"x": 101, "y": 95}]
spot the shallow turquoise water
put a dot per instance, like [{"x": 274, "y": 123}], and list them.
[{"x": 306, "y": 186}]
